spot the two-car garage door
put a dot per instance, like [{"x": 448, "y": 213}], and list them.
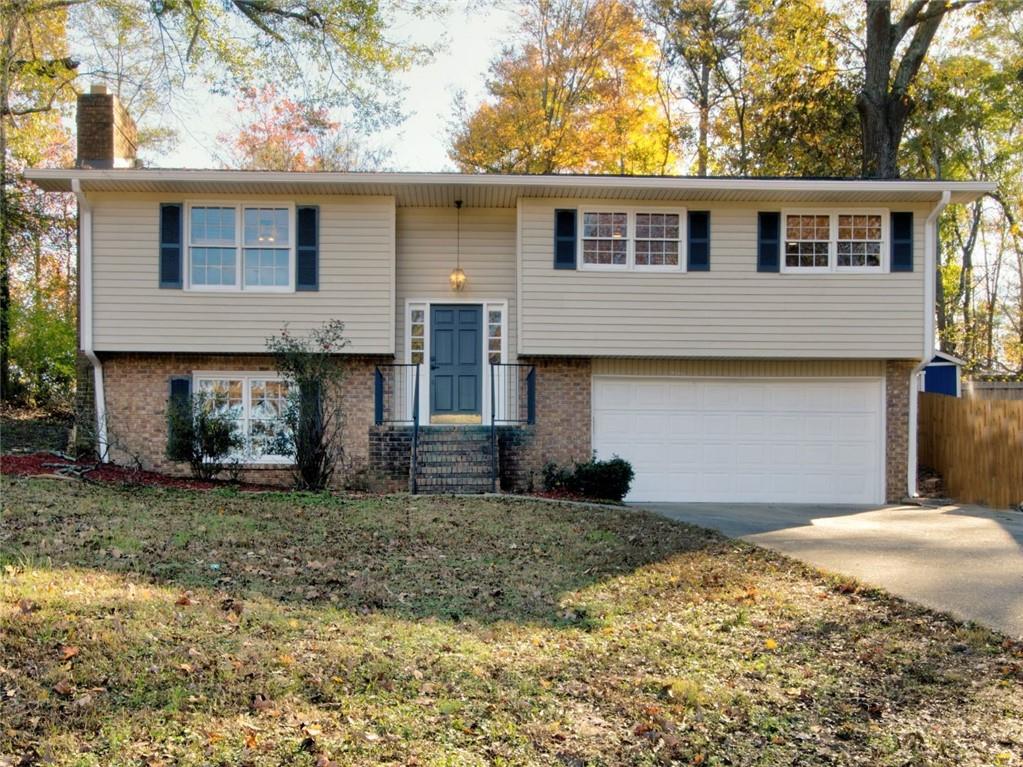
[{"x": 756, "y": 440}]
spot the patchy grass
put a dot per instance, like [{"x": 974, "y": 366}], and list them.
[{"x": 167, "y": 627}]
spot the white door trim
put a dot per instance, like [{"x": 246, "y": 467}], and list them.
[
  {"x": 881, "y": 489},
  {"x": 424, "y": 370}
]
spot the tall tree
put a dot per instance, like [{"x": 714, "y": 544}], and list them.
[
  {"x": 578, "y": 92},
  {"x": 890, "y": 68},
  {"x": 281, "y": 133},
  {"x": 337, "y": 51},
  {"x": 701, "y": 39}
]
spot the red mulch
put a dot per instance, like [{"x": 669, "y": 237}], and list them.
[{"x": 35, "y": 464}]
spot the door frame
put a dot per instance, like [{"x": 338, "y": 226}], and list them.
[
  {"x": 424, "y": 371},
  {"x": 882, "y": 451}
]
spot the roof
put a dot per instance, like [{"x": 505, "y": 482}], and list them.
[
  {"x": 940, "y": 357},
  {"x": 493, "y": 190}
]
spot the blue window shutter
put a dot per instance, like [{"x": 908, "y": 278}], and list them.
[
  {"x": 564, "y": 238},
  {"x": 698, "y": 252},
  {"x": 768, "y": 241},
  {"x": 179, "y": 408},
  {"x": 171, "y": 247},
  {"x": 307, "y": 248},
  {"x": 902, "y": 242}
]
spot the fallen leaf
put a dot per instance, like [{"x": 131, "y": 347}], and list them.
[
  {"x": 63, "y": 687},
  {"x": 27, "y": 606},
  {"x": 68, "y": 652},
  {"x": 184, "y": 600},
  {"x": 770, "y": 644},
  {"x": 250, "y": 739}
]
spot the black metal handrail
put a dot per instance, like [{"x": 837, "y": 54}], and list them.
[
  {"x": 512, "y": 401},
  {"x": 396, "y": 400},
  {"x": 395, "y": 388}
]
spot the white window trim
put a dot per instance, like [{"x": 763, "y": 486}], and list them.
[
  {"x": 424, "y": 372},
  {"x": 245, "y": 377},
  {"x": 239, "y": 245},
  {"x": 833, "y": 267},
  {"x": 630, "y": 248}
]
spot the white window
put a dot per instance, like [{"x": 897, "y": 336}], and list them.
[
  {"x": 841, "y": 241},
  {"x": 213, "y": 247},
  {"x": 657, "y": 239},
  {"x": 641, "y": 240},
  {"x": 495, "y": 321},
  {"x": 807, "y": 241},
  {"x": 258, "y": 404},
  {"x": 605, "y": 238},
  {"x": 859, "y": 240},
  {"x": 237, "y": 247},
  {"x": 417, "y": 335}
]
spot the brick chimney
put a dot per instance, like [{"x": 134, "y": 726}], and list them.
[{"x": 107, "y": 136}]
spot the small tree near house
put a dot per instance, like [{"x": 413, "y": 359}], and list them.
[
  {"x": 200, "y": 433},
  {"x": 315, "y": 416}
]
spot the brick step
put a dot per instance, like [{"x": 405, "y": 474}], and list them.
[
  {"x": 445, "y": 443},
  {"x": 454, "y": 491},
  {"x": 448, "y": 455},
  {"x": 454, "y": 447},
  {"x": 454, "y": 471},
  {"x": 455, "y": 468},
  {"x": 454, "y": 487}
]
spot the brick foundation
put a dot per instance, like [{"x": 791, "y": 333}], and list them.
[
  {"x": 897, "y": 382},
  {"x": 137, "y": 387},
  {"x": 563, "y": 418},
  {"x": 390, "y": 451}
]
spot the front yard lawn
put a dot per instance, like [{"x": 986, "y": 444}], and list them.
[{"x": 172, "y": 627}]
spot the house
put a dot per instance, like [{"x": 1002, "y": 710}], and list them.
[
  {"x": 943, "y": 375},
  {"x": 736, "y": 339}
]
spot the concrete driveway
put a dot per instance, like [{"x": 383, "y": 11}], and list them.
[{"x": 964, "y": 560}]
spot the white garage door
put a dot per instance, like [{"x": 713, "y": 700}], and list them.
[{"x": 744, "y": 440}]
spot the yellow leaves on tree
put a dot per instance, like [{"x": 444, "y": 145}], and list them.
[{"x": 579, "y": 93}]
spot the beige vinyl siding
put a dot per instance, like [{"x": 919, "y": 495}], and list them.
[
  {"x": 426, "y": 244},
  {"x": 132, "y": 313},
  {"x": 730, "y": 311},
  {"x": 726, "y": 368}
]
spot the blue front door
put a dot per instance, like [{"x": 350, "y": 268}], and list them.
[{"x": 456, "y": 362}]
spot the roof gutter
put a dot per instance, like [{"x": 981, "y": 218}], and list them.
[
  {"x": 85, "y": 315},
  {"x": 930, "y": 276}
]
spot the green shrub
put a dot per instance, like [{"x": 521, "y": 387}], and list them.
[
  {"x": 607, "y": 480},
  {"x": 200, "y": 435}
]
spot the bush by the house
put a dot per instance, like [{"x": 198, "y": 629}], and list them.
[
  {"x": 607, "y": 480},
  {"x": 314, "y": 416},
  {"x": 200, "y": 435}
]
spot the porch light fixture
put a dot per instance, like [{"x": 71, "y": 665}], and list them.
[{"x": 457, "y": 277}]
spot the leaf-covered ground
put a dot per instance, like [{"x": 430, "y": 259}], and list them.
[{"x": 168, "y": 627}]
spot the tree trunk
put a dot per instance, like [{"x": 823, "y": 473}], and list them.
[
  {"x": 884, "y": 102},
  {"x": 702, "y": 149}
]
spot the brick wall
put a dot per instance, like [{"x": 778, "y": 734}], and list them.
[
  {"x": 897, "y": 381},
  {"x": 390, "y": 452},
  {"x": 562, "y": 430},
  {"x": 137, "y": 387}
]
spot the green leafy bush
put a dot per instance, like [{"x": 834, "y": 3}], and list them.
[
  {"x": 607, "y": 480},
  {"x": 201, "y": 435}
]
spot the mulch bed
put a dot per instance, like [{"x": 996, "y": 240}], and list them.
[{"x": 56, "y": 465}]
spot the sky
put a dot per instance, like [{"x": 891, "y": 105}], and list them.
[{"x": 419, "y": 143}]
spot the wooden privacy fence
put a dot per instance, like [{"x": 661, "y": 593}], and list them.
[{"x": 975, "y": 445}]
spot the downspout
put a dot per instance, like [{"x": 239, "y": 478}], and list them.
[
  {"x": 930, "y": 275},
  {"x": 85, "y": 314}
]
